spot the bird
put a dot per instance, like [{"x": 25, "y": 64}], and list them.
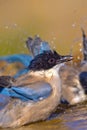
[
  {"x": 74, "y": 78},
  {"x": 83, "y": 65},
  {"x": 84, "y": 41},
  {"x": 35, "y": 46},
  {"x": 72, "y": 90},
  {"x": 43, "y": 72}
]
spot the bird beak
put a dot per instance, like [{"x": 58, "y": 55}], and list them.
[{"x": 65, "y": 59}]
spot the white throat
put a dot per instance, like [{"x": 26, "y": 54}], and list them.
[{"x": 47, "y": 73}]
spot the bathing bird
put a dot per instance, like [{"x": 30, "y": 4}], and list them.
[
  {"x": 72, "y": 90},
  {"x": 83, "y": 66},
  {"x": 74, "y": 78},
  {"x": 43, "y": 72},
  {"x": 35, "y": 46},
  {"x": 84, "y": 41}
]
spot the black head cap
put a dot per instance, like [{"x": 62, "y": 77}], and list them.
[{"x": 47, "y": 60}]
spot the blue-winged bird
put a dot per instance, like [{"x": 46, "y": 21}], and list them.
[
  {"x": 27, "y": 104},
  {"x": 72, "y": 91}
]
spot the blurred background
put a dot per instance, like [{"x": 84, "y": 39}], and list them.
[{"x": 58, "y": 22}]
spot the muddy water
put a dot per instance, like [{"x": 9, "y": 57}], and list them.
[{"x": 58, "y": 22}]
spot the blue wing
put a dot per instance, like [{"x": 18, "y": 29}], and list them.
[
  {"x": 22, "y": 58},
  {"x": 44, "y": 46},
  {"x": 36, "y": 91},
  {"x": 10, "y": 93},
  {"x": 37, "y": 46}
]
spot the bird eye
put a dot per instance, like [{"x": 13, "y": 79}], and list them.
[{"x": 52, "y": 60}]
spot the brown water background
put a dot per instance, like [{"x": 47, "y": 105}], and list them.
[{"x": 58, "y": 22}]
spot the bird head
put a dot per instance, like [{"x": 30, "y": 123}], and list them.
[{"x": 47, "y": 60}]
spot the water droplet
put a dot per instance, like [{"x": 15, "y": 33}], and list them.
[
  {"x": 73, "y": 25},
  {"x": 52, "y": 42},
  {"x": 80, "y": 44},
  {"x": 38, "y": 35},
  {"x": 54, "y": 38},
  {"x": 15, "y": 25},
  {"x": 80, "y": 50}
]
